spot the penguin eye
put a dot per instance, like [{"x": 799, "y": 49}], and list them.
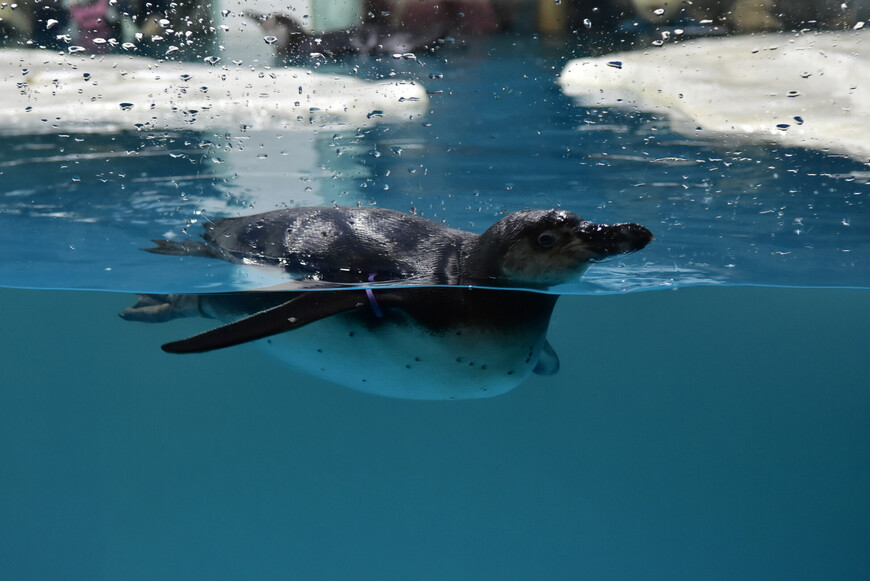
[{"x": 547, "y": 239}]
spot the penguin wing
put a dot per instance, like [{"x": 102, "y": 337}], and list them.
[{"x": 300, "y": 311}]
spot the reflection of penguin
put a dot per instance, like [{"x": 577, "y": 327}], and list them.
[{"x": 423, "y": 342}]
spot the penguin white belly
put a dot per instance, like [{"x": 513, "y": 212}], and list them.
[{"x": 408, "y": 361}]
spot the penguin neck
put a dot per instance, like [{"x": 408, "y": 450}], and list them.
[
  {"x": 481, "y": 265},
  {"x": 484, "y": 265}
]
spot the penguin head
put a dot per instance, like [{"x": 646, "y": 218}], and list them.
[{"x": 541, "y": 248}]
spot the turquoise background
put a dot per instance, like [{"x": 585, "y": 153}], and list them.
[{"x": 707, "y": 433}]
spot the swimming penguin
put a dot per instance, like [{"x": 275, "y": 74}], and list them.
[{"x": 480, "y": 333}]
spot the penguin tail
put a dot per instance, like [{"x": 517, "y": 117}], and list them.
[{"x": 184, "y": 248}]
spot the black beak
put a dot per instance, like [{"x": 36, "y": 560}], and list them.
[{"x": 604, "y": 240}]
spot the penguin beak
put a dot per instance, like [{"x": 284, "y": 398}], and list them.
[{"x": 605, "y": 240}]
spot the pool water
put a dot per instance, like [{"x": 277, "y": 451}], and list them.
[
  {"x": 499, "y": 136},
  {"x": 706, "y": 433},
  {"x": 717, "y": 431}
]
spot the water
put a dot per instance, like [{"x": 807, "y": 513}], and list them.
[
  {"x": 500, "y": 136},
  {"x": 715, "y": 432}
]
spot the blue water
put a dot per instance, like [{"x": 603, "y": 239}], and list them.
[
  {"x": 715, "y": 432},
  {"x": 707, "y": 433}
]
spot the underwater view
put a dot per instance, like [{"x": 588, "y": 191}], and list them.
[{"x": 693, "y": 407}]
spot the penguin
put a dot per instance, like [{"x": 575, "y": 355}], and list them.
[{"x": 392, "y": 303}]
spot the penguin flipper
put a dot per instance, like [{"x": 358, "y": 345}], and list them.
[
  {"x": 301, "y": 310},
  {"x": 548, "y": 363}
]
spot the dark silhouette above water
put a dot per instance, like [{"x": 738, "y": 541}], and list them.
[{"x": 370, "y": 38}]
